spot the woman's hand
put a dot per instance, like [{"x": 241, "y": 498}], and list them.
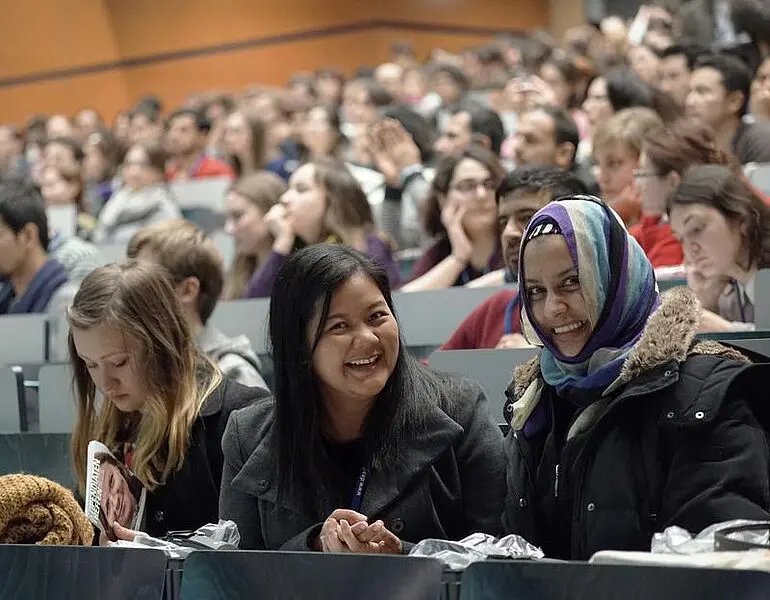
[
  {"x": 281, "y": 227},
  {"x": 710, "y": 322},
  {"x": 393, "y": 150},
  {"x": 452, "y": 216},
  {"x": 706, "y": 290},
  {"x": 122, "y": 533},
  {"x": 513, "y": 340},
  {"x": 348, "y": 531}
]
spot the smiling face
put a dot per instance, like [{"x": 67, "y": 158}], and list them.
[
  {"x": 554, "y": 295},
  {"x": 111, "y": 366},
  {"x": 358, "y": 348}
]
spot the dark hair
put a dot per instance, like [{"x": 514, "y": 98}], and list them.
[
  {"x": 723, "y": 189},
  {"x": 332, "y": 113},
  {"x": 301, "y": 298},
  {"x": 417, "y": 126},
  {"x": 534, "y": 178},
  {"x": 199, "y": 118},
  {"x": 626, "y": 90},
  {"x": 151, "y": 115},
  {"x": 71, "y": 145},
  {"x": 736, "y": 76},
  {"x": 157, "y": 157},
  {"x": 691, "y": 52},
  {"x": 454, "y": 73},
  {"x": 484, "y": 121},
  {"x": 376, "y": 93},
  {"x": 364, "y": 72},
  {"x": 335, "y": 74},
  {"x": 104, "y": 141},
  {"x": 564, "y": 128},
  {"x": 258, "y": 133},
  {"x": 151, "y": 104},
  {"x": 684, "y": 143},
  {"x": 566, "y": 66},
  {"x": 491, "y": 54},
  {"x": 442, "y": 179},
  {"x": 21, "y": 203},
  {"x": 226, "y": 101},
  {"x": 402, "y": 48}
]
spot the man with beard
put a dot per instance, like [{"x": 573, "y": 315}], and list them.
[{"x": 524, "y": 191}]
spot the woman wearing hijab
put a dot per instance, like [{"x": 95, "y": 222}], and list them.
[{"x": 624, "y": 424}]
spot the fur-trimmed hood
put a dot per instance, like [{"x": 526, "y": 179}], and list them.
[{"x": 668, "y": 335}]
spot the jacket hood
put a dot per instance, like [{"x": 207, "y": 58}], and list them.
[
  {"x": 216, "y": 344},
  {"x": 668, "y": 335}
]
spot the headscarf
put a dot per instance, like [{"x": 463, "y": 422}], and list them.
[{"x": 617, "y": 282}]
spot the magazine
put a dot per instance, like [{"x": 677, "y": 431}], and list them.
[{"x": 113, "y": 493}]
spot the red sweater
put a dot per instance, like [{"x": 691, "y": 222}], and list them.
[
  {"x": 483, "y": 328},
  {"x": 658, "y": 242},
  {"x": 203, "y": 167}
]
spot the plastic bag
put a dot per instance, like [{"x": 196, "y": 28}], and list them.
[
  {"x": 214, "y": 536},
  {"x": 476, "y": 547},
  {"x": 675, "y": 540}
]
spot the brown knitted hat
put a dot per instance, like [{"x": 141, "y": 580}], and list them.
[{"x": 35, "y": 510}]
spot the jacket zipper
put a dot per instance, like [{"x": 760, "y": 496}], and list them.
[{"x": 556, "y": 483}]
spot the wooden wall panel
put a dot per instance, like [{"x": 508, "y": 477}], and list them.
[{"x": 62, "y": 36}]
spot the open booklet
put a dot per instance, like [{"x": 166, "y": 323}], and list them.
[{"x": 113, "y": 493}]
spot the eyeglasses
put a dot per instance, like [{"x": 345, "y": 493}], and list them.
[
  {"x": 467, "y": 186},
  {"x": 642, "y": 174}
]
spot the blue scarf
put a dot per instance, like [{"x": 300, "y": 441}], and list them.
[{"x": 618, "y": 285}]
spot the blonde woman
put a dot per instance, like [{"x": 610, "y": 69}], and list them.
[{"x": 165, "y": 405}]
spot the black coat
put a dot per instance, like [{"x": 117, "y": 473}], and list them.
[
  {"x": 190, "y": 498},
  {"x": 678, "y": 443},
  {"x": 448, "y": 483}
]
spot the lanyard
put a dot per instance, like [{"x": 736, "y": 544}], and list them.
[
  {"x": 739, "y": 296},
  {"x": 509, "y": 310},
  {"x": 358, "y": 493}
]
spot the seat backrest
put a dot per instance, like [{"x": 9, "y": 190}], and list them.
[
  {"x": 493, "y": 369},
  {"x": 762, "y": 301},
  {"x": 63, "y": 218},
  {"x": 207, "y": 193},
  {"x": 81, "y": 573},
  {"x": 521, "y": 580},
  {"x": 22, "y": 339},
  {"x": 226, "y": 245},
  {"x": 291, "y": 575},
  {"x": 56, "y": 399},
  {"x": 11, "y": 400},
  {"x": 44, "y": 454}
]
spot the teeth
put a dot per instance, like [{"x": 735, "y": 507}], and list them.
[
  {"x": 363, "y": 362},
  {"x": 568, "y": 328}
]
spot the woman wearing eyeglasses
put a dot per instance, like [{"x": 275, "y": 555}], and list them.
[{"x": 461, "y": 215}]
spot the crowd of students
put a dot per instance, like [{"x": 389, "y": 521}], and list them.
[{"x": 490, "y": 164}]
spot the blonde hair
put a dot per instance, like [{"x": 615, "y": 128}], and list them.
[
  {"x": 263, "y": 190},
  {"x": 137, "y": 299},
  {"x": 629, "y": 127}
]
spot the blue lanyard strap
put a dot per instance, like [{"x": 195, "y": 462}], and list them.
[
  {"x": 358, "y": 493},
  {"x": 509, "y": 310}
]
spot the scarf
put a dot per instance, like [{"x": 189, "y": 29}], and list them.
[
  {"x": 617, "y": 283},
  {"x": 49, "y": 278}
]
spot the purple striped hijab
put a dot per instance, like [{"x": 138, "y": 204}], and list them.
[{"x": 617, "y": 282}]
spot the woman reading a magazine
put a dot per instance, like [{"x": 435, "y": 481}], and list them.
[
  {"x": 165, "y": 404},
  {"x": 362, "y": 449}
]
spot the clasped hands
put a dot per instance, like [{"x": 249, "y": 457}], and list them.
[{"x": 349, "y": 531}]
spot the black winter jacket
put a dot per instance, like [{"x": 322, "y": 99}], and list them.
[{"x": 677, "y": 442}]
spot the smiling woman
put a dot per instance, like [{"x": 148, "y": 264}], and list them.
[
  {"x": 362, "y": 449},
  {"x": 614, "y": 425}
]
